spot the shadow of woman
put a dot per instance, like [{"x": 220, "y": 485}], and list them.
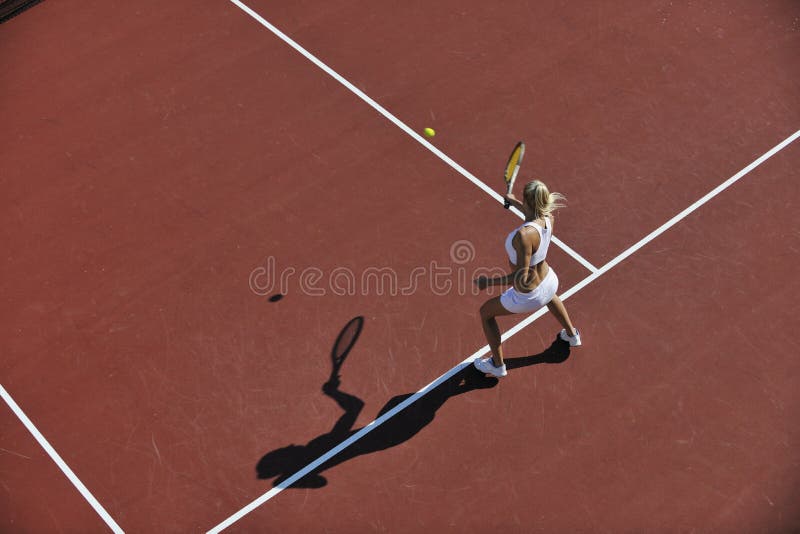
[{"x": 285, "y": 462}]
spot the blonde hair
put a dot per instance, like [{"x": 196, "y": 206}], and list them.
[{"x": 541, "y": 200}]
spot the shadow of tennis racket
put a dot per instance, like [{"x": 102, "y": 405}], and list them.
[{"x": 344, "y": 344}]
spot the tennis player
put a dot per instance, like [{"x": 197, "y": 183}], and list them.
[{"x": 533, "y": 283}]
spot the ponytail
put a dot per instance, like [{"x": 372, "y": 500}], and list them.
[{"x": 543, "y": 202}]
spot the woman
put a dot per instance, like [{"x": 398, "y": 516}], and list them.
[{"x": 533, "y": 282}]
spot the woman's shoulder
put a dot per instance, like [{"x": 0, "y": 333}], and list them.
[{"x": 529, "y": 234}]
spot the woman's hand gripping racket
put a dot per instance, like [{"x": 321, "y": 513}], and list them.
[{"x": 512, "y": 168}]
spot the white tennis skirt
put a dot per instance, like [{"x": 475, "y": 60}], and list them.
[{"x": 517, "y": 302}]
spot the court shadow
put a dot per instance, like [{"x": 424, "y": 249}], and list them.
[
  {"x": 557, "y": 352},
  {"x": 283, "y": 463}
]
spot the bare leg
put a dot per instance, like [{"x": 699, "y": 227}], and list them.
[
  {"x": 491, "y": 309},
  {"x": 557, "y": 308}
]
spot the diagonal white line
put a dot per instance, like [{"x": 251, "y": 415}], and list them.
[
  {"x": 397, "y": 122},
  {"x": 485, "y": 349},
  {"x": 343, "y": 445},
  {"x": 59, "y": 461},
  {"x": 569, "y": 250},
  {"x": 577, "y": 257}
]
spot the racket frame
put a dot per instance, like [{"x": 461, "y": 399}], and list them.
[{"x": 514, "y": 171}]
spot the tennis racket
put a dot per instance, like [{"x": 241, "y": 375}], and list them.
[{"x": 512, "y": 168}]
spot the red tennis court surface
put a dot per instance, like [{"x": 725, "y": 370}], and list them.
[{"x": 164, "y": 164}]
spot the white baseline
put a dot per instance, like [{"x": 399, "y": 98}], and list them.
[{"x": 485, "y": 349}]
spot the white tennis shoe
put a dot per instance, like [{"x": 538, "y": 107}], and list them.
[
  {"x": 487, "y": 366},
  {"x": 574, "y": 341}
]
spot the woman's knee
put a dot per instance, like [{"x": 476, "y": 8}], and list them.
[{"x": 491, "y": 309}]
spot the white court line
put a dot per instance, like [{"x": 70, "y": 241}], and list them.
[
  {"x": 59, "y": 462},
  {"x": 397, "y": 122},
  {"x": 485, "y": 350}
]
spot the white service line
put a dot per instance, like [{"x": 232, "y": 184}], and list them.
[
  {"x": 577, "y": 257},
  {"x": 59, "y": 462},
  {"x": 508, "y": 334},
  {"x": 397, "y": 122}
]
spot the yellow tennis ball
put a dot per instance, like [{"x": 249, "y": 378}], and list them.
[{"x": 429, "y": 132}]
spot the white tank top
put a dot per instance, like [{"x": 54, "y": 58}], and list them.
[{"x": 544, "y": 241}]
